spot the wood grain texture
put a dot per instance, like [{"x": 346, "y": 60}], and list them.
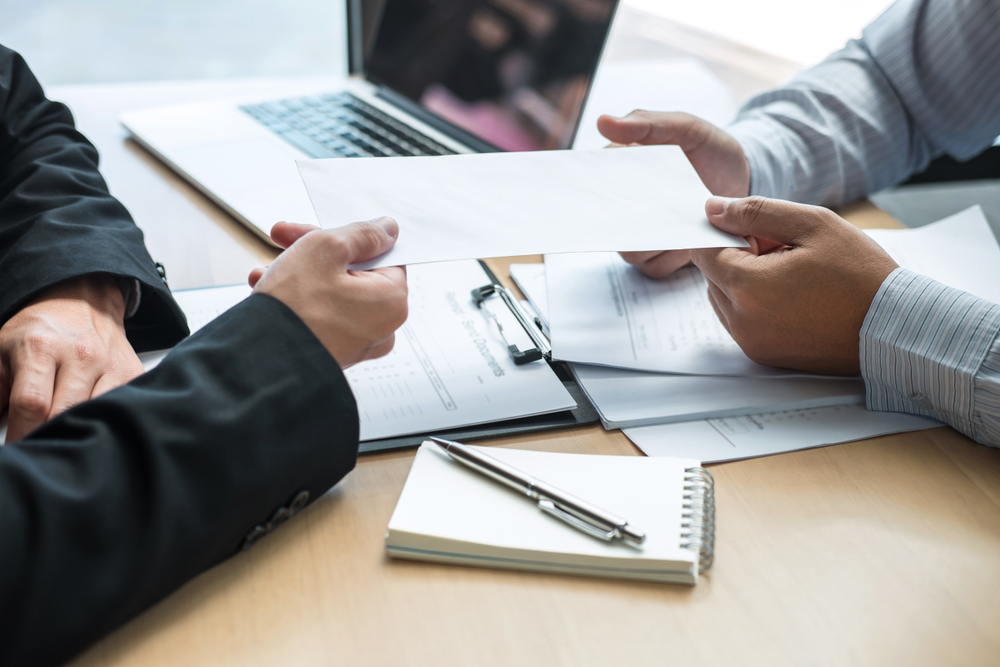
[{"x": 883, "y": 552}]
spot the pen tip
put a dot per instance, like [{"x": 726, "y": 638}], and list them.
[{"x": 443, "y": 444}]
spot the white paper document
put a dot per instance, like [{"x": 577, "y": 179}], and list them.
[
  {"x": 678, "y": 84},
  {"x": 603, "y": 311},
  {"x": 200, "y": 306},
  {"x": 763, "y": 434},
  {"x": 959, "y": 251},
  {"x": 530, "y": 279},
  {"x": 626, "y": 398},
  {"x": 450, "y": 367},
  {"x": 498, "y": 204}
]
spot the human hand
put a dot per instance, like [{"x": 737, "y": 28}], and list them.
[
  {"x": 66, "y": 346},
  {"x": 715, "y": 155},
  {"x": 353, "y": 313},
  {"x": 801, "y": 305}
]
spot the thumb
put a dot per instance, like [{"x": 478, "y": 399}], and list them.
[
  {"x": 367, "y": 240},
  {"x": 775, "y": 220}
]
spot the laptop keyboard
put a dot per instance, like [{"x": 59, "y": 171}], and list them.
[{"x": 341, "y": 125}]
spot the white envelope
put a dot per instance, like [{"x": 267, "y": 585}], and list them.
[{"x": 499, "y": 204}]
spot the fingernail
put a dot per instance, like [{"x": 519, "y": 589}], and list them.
[
  {"x": 717, "y": 205},
  {"x": 389, "y": 225}
]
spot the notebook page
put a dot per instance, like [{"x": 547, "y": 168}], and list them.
[{"x": 445, "y": 499}]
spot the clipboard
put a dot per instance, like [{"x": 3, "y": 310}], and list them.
[{"x": 583, "y": 414}]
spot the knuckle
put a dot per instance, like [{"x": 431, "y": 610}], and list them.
[
  {"x": 86, "y": 352},
  {"x": 400, "y": 312},
  {"x": 752, "y": 209},
  {"x": 32, "y": 403},
  {"x": 40, "y": 343},
  {"x": 332, "y": 244},
  {"x": 370, "y": 234}
]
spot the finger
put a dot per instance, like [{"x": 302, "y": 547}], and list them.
[
  {"x": 5, "y": 378},
  {"x": 110, "y": 381},
  {"x": 762, "y": 246},
  {"x": 381, "y": 348},
  {"x": 656, "y": 127},
  {"x": 285, "y": 234},
  {"x": 662, "y": 264},
  {"x": 254, "y": 276},
  {"x": 722, "y": 305},
  {"x": 73, "y": 385},
  {"x": 396, "y": 274},
  {"x": 725, "y": 266},
  {"x": 640, "y": 257},
  {"x": 30, "y": 395},
  {"x": 367, "y": 240},
  {"x": 782, "y": 222},
  {"x": 130, "y": 370}
]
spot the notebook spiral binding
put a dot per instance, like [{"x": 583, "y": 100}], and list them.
[{"x": 698, "y": 518}]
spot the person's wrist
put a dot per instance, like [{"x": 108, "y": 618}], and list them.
[{"x": 99, "y": 290}]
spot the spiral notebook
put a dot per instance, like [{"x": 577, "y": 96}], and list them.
[{"x": 448, "y": 513}]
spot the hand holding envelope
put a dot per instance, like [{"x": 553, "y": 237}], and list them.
[{"x": 502, "y": 204}]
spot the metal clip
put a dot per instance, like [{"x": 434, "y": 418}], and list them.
[
  {"x": 541, "y": 349},
  {"x": 550, "y": 507}
]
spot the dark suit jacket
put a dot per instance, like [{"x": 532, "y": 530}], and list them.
[
  {"x": 57, "y": 219},
  {"x": 115, "y": 503}
]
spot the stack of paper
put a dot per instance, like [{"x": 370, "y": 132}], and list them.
[
  {"x": 774, "y": 432},
  {"x": 603, "y": 311},
  {"x": 653, "y": 358}
]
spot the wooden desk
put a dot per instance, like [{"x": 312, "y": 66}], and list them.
[{"x": 878, "y": 553}]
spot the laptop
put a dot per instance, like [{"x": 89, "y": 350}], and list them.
[{"x": 440, "y": 77}]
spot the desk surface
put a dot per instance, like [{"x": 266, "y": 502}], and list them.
[{"x": 878, "y": 552}]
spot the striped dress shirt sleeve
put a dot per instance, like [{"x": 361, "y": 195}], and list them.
[
  {"x": 932, "y": 350},
  {"x": 923, "y": 81}
]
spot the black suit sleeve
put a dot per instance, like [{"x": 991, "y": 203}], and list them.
[
  {"x": 57, "y": 218},
  {"x": 115, "y": 503}
]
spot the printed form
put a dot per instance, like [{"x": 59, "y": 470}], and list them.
[
  {"x": 450, "y": 367},
  {"x": 602, "y": 311},
  {"x": 766, "y": 433}
]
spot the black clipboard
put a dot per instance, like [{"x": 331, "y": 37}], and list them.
[{"x": 583, "y": 414}]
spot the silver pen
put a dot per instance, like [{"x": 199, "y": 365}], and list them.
[{"x": 576, "y": 512}]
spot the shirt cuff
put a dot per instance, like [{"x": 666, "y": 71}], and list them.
[
  {"x": 131, "y": 290},
  {"x": 757, "y": 136},
  {"x": 922, "y": 346}
]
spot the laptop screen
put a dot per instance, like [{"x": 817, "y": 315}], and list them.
[{"x": 514, "y": 73}]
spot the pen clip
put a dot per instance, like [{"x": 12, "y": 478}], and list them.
[{"x": 550, "y": 507}]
